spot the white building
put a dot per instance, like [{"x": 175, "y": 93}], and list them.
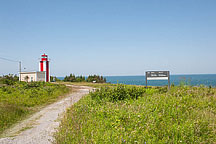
[{"x": 32, "y": 76}]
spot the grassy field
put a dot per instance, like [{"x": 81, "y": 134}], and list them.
[
  {"x": 21, "y": 99},
  {"x": 127, "y": 114}
]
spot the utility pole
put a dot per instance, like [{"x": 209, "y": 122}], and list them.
[
  {"x": 6, "y": 59},
  {"x": 20, "y": 67}
]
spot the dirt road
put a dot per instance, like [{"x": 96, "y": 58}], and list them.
[{"x": 39, "y": 128}]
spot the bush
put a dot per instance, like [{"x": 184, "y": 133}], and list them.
[
  {"x": 80, "y": 79},
  {"x": 9, "y": 79},
  {"x": 91, "y": 78},
  {"x": 54, "y": 79},
  {"x": 73, "y": 78},
  {"x": 96, "y": 78},
  {"x": 120, "y": 92},
  {"x": 70, "y": 78}
]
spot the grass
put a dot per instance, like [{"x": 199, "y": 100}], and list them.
[
  {"x": 90, "y": 84},
  {"x": 182, "y": 115},
  {"x": 21, "y": 99}
]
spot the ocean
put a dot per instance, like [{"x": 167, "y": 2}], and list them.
[{"x": 194, "y": 80}]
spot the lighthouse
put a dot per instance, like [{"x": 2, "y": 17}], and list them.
[
  {"x": 44, "y": 66},
  {"x": 42, "y": 75}
]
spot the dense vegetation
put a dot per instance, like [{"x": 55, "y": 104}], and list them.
[
  {"x": 91, "y": 78},
  {"x": 9, "y": 79},
  {"x": 126, "y": 114},
  {"x": 54, "y": 79},
  {"x": 96, "y": 78},
  {"x": 20, "y": 99},
  {"x": 119, "y": 93},
  {"x": 73, "y": 78}
]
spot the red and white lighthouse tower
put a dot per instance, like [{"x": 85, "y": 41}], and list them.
[{"x": 44, "y": 66}]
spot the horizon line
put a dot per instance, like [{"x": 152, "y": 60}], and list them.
[{"x": 144, "y": 75}]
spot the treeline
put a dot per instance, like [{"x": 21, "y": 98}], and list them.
[
  {"x": 9, "y": 79},
  {"x": 54, "y": 79},
  {"x": 96, "y": 78},
  {"x": 12, "y": 79},
  {"x": 90, "y": 78}
]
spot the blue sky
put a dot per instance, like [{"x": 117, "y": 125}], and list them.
[{"x": 109, "y": 37}]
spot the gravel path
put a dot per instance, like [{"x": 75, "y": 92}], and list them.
[{"x": 39, "y": 128}]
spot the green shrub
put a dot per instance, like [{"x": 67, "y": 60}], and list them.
[
  {"x": 181, "y": 115},
  {"x": 54, "y": 79},
  {"x": 80, "y": 79},
  {"x": 91, "y": 78},
  {"x": 73, "y": 78},
  {"x": 70, "y": 78},
  {"x": 9, "y": 79},
  {"x": 96, "y": 78},
  {"x": 120, "y": 92}
]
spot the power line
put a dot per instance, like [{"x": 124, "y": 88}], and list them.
[
  {"x": 13, "y": 61},
  {"x": 8, "y": 59}
]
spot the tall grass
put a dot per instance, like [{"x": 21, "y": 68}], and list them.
[
  {"x": 121, "y": 92},
  {"x": 20, "y": 99},
  {"x": 182, "y": 115}
]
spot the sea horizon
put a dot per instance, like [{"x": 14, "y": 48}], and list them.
[
  {"x": 176, "y": 79},
  {"x": 143, "y": 74}
]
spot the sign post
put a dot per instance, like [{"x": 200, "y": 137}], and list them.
[{"x": 158, "y": 75}]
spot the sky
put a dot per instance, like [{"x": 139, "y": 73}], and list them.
[{"x": 109, "y": 37}]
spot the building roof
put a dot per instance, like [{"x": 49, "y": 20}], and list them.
[{"x": 32, "y": 72}]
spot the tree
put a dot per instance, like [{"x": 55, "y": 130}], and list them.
[
  {"x": 96, "y": 78},
  {"x": 9, "y": 79},
  {"x": 26, "y": 78}
]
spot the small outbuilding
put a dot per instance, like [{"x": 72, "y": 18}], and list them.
[{"x": 32, "y": 76}]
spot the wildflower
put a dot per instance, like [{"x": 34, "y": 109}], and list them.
[{"x": 123, "y": 140}]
